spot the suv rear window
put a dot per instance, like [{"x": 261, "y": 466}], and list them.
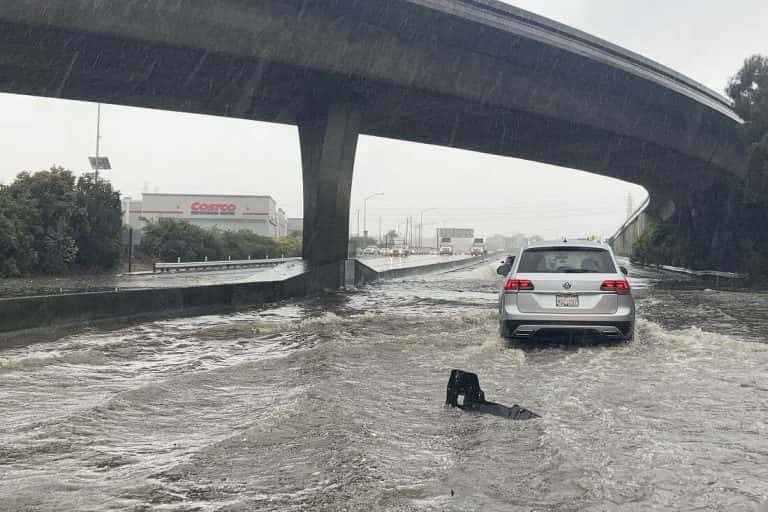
[{"x": 570, "y": 260}]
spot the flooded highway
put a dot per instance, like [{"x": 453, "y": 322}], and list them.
[
  {"x": 54, "y": 285},
  {"x": 336, "y": 403}
]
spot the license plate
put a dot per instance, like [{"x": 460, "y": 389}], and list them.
[{"x": 567, "y": 301}]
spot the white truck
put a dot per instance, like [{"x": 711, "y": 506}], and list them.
[
  {"x": 478, "y": 247},
  {"x": 445, "y": 249}
]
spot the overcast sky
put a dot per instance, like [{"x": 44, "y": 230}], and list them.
[{"x": 172, "y": 152}]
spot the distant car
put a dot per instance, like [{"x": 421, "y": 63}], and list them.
[
  {"x": 555, "y": 287},
  {"x": 400, "y": 251},
  {"x": 446, "y": 250},
  {"x": 371, "y": 250}
]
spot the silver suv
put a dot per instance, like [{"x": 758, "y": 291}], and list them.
[{"x": 555, "y": 287}]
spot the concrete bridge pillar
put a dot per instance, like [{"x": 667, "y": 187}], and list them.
[{"x": 328, "y": 138}]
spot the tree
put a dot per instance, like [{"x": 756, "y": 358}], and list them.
[
  {"x": 97, "y": 224},
  {"x": 50, "y": 225},
  {"x": 749, "y": 91},
  {"x": 44, "y": 204},
  {"x": 288, "y": 246},
  {"x": 16, "y": 254},
  {"x": 243, "y": 244},
  {"x": 169, "y": 239}
]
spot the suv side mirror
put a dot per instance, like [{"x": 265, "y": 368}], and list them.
[
  {"x": 503, "y": 270},
  {"x": 624, "y": 271}
]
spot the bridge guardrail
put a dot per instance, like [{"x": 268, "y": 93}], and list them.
[{"x": 218, "y": 265}]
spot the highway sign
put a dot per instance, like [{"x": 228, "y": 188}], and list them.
[{"x": 455, "y": 233}]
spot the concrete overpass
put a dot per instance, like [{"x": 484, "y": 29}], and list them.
[{"x": 471, "y": 74}]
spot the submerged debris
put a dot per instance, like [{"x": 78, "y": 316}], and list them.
[{"x": 464, "y": 392}]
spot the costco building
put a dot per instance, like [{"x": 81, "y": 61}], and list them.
[{"x": 259, "y": 214}]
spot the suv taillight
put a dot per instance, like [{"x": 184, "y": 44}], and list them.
[
  {"x": 621, "y": 287},
  {"x": 516, "y": 285}
]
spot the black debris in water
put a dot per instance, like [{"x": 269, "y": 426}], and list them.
[{"x": 464, "y": 392}]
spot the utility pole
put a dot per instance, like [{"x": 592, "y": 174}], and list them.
[
  {"x": 365, "y": 212},
  {"x": 98, "y": 162},
  {"x": 358, "y": 224},
  {"x": 98, "y": 137},
  {"x": 130, "y": 250},
  {"x": 379, "y": 229},
  {"x": 407, "y": 231}
]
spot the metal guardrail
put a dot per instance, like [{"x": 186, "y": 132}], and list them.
[
  {"x": 638, "y": 211},
  {"x": 218, "y": 265}
]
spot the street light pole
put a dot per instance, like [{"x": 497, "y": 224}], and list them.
[
  {"x": 365, "y": 213},
  {"x": 98, "y": 138}
]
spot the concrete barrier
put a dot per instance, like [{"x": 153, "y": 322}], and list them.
[
  {"x": 42, "y": 312},
  {"x": 32, "y": 313},
  {"x": 365, "y": 274}
]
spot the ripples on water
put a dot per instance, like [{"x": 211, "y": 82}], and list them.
[{"x": 336, "y": 403}]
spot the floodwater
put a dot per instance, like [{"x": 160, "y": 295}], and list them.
[{"x": 336, "y": 403}]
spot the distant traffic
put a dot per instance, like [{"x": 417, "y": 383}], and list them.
[{"x": 446, "y": 248}]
